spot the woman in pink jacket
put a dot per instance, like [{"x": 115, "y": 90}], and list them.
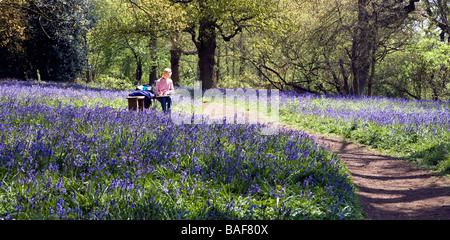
[{"x": 164, "y": 87}]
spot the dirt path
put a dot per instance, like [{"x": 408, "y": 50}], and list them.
[{"x": 389, "y": 188}]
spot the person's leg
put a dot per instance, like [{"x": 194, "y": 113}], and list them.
[
  {"x": 169, "y": 103},
  {"x": 147, "y": 102},
  {"x": 163, "y": 103}
]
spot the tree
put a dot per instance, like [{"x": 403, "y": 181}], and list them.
[
  {"x": 437, "y": 11},
  {"x": 155, "y": 19},
  {"x": 13, "y": 20},
  {"x": 297, "y": 49},
  {"x": 178, "y": 46},
  {"x": 422, "y": 70},
  {"x": 53, "y": 40},
  {"x": 372, "y": 16},
  {"x": 328, "y": 46},
  {"x": 208, "y": 19},
  {"x": 12, "y": 24},
  {"x": 112, "y": 36}
]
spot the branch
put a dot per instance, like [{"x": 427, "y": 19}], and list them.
[
  {"x": 396, "y": 14},
  {"x": 180, "y": 1},
  {"x": 411, "y": 6},
  {"x": 229, "y": 37},
  {"x": 191, "y": 30},
  {"x": 189, "y": 52},
  {"x": 268, "y": 79},
  {"x": 298, "y": 88},
  {"x": 141, "y": 8},
  {"x": 404, "y": 90},
  {"x": 443, "y": 26},
  {"x": 237, "y": 30}
]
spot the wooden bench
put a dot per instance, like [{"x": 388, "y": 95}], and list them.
[{"x": 136, "y": 103}]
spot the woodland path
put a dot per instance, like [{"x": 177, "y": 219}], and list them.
[{"x": 389, "y": 188}]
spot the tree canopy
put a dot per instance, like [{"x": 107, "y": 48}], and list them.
[
  {"x": 47, "y": 36},
  {"x": 359, "y": 47}
]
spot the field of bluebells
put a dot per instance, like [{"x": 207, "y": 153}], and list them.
[
  {"x": 411, "y": 129},
  {"x": 74, "y": 152}
]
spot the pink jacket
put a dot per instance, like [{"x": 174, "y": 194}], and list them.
[{"x": 164, "y": 86}]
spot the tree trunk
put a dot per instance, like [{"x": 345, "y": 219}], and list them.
[
  {"x": 345, "y": 77},
  {"x": 218, "y": 64},
  {"x": 206, "y": 51},
  {"x": 364, "y": 43},
  {"x": 227, "y": 61},
  {"x": 361, "y": 47},
  {"x": 153, "y": 75},
  {"x": 372, "y": 73},
  {"x": 153, "y": 65},
  {"x": 175, "y": 56},
  {"x": 88, "y": 72},
  {"x": 138, "y": 70},
  {"x": 241, "y": 54}
]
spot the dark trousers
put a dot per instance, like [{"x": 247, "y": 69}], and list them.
[{"x": 166, "y": 103}]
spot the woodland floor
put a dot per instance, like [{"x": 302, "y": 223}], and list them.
[{"x": 389, "y": 188}]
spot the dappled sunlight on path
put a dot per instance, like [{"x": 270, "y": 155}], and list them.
[{"x": 392, "y": 189}]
